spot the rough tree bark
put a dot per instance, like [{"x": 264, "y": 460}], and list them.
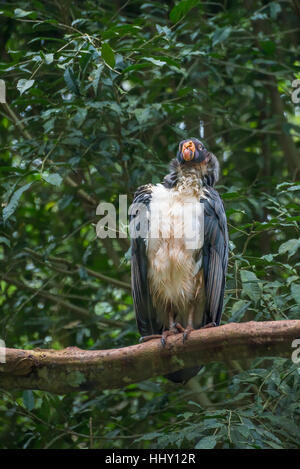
[{"x": 73, "y": 369}]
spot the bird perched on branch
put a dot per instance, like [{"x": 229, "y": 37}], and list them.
[{"x": 179, "y": 244}]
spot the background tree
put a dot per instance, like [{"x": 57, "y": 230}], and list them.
[{"x": 98, "y": 96}]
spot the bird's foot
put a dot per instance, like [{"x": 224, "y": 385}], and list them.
[
  {"x": 186, "y": 333},
  {"x": 189, "y": 329},
  {"x": 210, "y": 324},
  {"x": 179, "y": 328},
  {"x": 176, "y": 328},
  {"x": 164, "y": 336},
  {"x": 149, "y": 337}
]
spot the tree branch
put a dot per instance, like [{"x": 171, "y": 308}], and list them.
[
  {"x": 81, "y": 312},
  {"x": 73, "y": 369},
  {"x": 93, "y": 273}
]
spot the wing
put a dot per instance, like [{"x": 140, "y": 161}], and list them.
[
  {"x": 144, "y": 311},
  {"x": 215, "y": 255}
]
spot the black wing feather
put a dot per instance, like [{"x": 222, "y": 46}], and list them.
[
  {"x": 215, "y": 255},
  {"x": 144, "y": 311}
]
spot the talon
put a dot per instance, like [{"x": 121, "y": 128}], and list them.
[
  {"x": 167, "y": 333},
  {"x": 145, "y": 338},
  {"x": 186, "y": 333},
  {"x": 164, "y": 336},
  {"x": 210, "y": 324},
  {"x": 179, "y": 327}
]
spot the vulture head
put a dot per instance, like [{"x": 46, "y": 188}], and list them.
[{"x": 192, "y": 152}]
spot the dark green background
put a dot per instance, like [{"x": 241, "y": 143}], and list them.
[{"x": 98, "y": 96}]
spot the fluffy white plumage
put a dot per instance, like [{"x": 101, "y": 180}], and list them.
[{"x": 176, "y": 233}]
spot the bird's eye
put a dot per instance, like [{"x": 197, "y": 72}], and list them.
[{"x": 200, "y": 147}]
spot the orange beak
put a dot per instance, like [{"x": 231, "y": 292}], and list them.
[{"x": 188, "y": 151}]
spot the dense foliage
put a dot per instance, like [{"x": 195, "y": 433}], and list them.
[{"x": 98, "y": 96}]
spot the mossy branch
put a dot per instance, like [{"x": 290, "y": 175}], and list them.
[{"x": 73, "y": 369}]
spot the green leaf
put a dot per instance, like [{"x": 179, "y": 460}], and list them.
[
  {"x": 290, "y": 186},
  {"x": 164, "y": 30},
  {"x": 291, "y": 246},
  {"x": 295, "y": 187},
  {"x": 268, "y": 46},
  {"x": 142, "y": 114},
  {"x": 287, "y": 127},
  {"x": 55, "y": 179},
  {"x": 108, "y": 54},
  {"x": 275, "y": 8},
  {"x": 24, "y": 85},
  {"x": 71, "y": 81},
  {"x": 208, "y": 442},
  {"x": 295, "y": 290},
  {"x": 251, "y": 285},
  {"x": 139, "y": 66},
  {"x": 158, "y": 62},
  {"x": 19, "y": 13},
  {"x": 14, "y": 201},
  {"x": 231, "y": 195},
  {"x": 221, "y": 34},
  {"x": 181, "y": 9},
  {"x": 238, "y": 310},
  {"x": 96, "y": 77},
  {"x": 5, "y": 241},
  {"x": 149, "y": 436},
  {"x": 28, "y": 400},
  {"x": 49, "y": 58}
]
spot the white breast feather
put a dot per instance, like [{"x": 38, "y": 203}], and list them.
[{"x": 176, "y": 232}]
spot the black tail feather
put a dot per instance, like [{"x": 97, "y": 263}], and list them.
[{"x": 183, "y": 376}]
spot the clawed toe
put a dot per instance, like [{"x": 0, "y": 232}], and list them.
[
  {"x": 177, "y": 328},
  {"x": 166, "y": 334},
  {"x": 149, "y": 337},
  {"x": 210, "y": 324},
  {"x": 186, "y": 333}
]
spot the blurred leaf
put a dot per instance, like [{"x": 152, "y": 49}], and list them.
[
  {"x": 24, "y": 85},
  {"x": 71, "y": 81},
  {"x": 238, "y": 310},
  {"x": 19, "y": 13},
  {"x": 251, "y": 285},
  {"x": 221, "y": 34},
  {"x": 108, "y": 54},
  {"x": 28, "y": 400},
  {"x": 295, "y": 290},
  {"x": 181, "y": 9},
  {"x": 5, "y": 241},
  {"x": 14, "y": 201},
  {"x": 208, "y": 442},
  {"x": 55, "y": 179},
  {"x": 291, "y": 246}
]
